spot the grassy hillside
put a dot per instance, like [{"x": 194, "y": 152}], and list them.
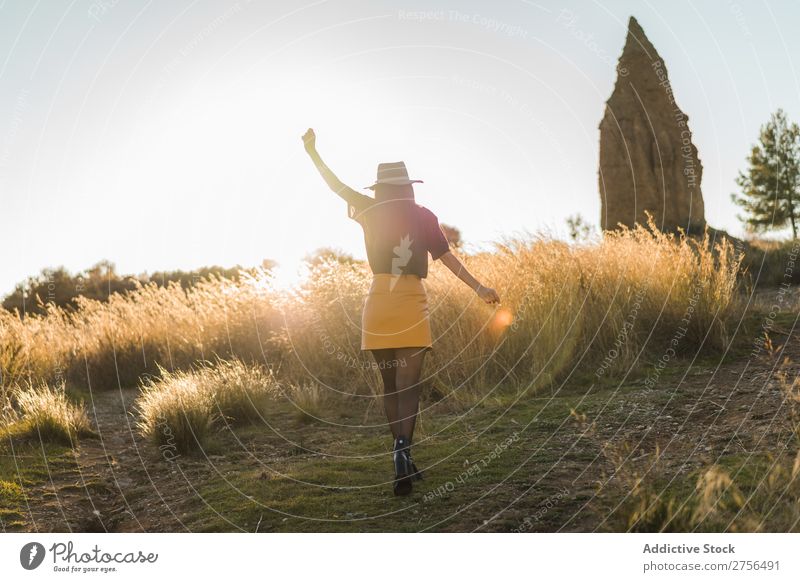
[{"x": 600, "y": 395}]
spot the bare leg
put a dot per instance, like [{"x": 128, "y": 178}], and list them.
[
  {"x": 407, "y": 384},
  {"x": 387, "y": 365}
]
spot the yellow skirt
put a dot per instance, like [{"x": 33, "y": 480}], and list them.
[{"x": 396, "y": 314}]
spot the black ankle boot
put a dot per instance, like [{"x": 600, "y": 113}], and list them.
[
  {"x": 403, "y": 467},
  {"x": 415, "y": 473}
]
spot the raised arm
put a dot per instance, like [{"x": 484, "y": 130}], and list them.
[
  {"x": 452, "y": 262},
  {"x": 334, "y": 183}
]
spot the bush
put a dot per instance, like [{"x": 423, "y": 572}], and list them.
[
  {"x": 46, "y": 413},
  {"x": 180, "y": 409},
  {"x": 770, "y": 264}
]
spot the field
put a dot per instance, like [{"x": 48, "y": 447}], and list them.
[{"x": 634, "y": 382}]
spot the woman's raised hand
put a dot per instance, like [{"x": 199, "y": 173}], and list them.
[
  {"x": 488, "y": 294},
  {"x": 310, "y": 140}
]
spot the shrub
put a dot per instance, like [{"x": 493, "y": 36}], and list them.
[
  {"x": 307, "y": 400},
  {"x": 45, "y": 412},
  {"x": 180, "y": 409}
]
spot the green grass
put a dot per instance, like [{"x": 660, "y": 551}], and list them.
[
  {"x": 261, "y": 476},
  {"x": 290, "y": 489},
  {"x": 24, "y": 467},
  {"x": 318, "y": 493}
]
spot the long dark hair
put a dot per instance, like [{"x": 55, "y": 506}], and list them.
[
  {"x": 396, "y": 213},
  {"x": 386, "y": 192}
]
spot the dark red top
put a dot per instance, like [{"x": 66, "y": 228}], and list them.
[{"x": 398, "y": 234}]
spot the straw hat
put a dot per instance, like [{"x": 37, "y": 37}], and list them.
[{"x": 393, "y": 173}]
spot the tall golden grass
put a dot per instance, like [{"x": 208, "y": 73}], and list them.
[
  {"x": 598, "y": 305},
  {"x": 563, "y": 306},
  {"x": 44, "y": 412},
  {"x": 103, "y": 345},
  {"x": 180, "y": 409}
]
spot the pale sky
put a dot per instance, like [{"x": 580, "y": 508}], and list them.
[{"x": 166, "y": 135}]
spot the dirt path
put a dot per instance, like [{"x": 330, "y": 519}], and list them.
[
  {"x": 123, "y": 484},
  {"x": 120, "y": 482},
  {"x": 702, "y": 417}
]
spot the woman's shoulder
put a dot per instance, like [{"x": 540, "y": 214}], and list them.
[{"x": 425, "y": 211}]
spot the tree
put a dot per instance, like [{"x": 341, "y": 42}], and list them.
[
  {"x": 579, "y": 229},
  {"x": 59, "y": 287},
  {"x": 328, "y": 255},
  {"x": 453, "y": 235},
  {"x": 771, "y": 185},
  {"x": 188, "y": 279}
]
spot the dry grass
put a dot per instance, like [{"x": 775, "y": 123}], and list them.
[
  {"x": 570, "y": 303},
  {"x": 716, "y": 504},
  {"x": 46, "y": 413},
  {"x": 760, "y": 492},
  {"x": 180, "y": 409},
  {"x": 103, "y": 345},
  {"x": 563, "y": 305},
  {"x": 307, "y": 399},
  {"x": 761, "y": 495}
]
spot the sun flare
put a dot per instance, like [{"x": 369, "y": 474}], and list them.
[{"x": 288, "y": 274}]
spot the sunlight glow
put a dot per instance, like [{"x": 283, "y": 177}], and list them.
[
  {"x": 288, "y": 275},
  {"x": 501, "y": 320}
]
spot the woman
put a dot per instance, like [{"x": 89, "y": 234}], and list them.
[{"x": 398, "y": 235}]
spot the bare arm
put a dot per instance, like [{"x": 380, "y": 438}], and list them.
[
  {"x": 344, "y": 191},
  {"x": 452, "y": 262}
]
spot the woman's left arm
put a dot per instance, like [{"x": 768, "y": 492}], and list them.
[
  {"x": 452, "y": 262},
  {"x": 334, "y": 183}
]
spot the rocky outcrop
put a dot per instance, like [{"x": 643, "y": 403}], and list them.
[{"x": 647, "y": 159}]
